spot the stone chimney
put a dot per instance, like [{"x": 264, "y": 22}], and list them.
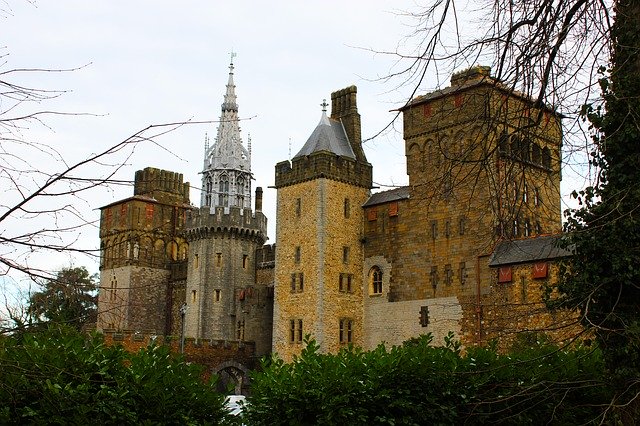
[
  {"x": 258, "y": 199},
  {"x": 345, "y": 109}
]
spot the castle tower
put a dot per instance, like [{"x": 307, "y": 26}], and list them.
[
  {"x": 318, "y": 268},
  {"x": 484, "y": 166},
  {"x": 226, "y": 175},
  {"x": 222, "y": 298},
  {"x": 140, "y": 246}
]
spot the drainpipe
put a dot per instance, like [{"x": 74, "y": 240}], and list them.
[{"x": 478, "y": 298}]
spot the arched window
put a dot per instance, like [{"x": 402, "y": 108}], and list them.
[
  {"x": 223, "y": 191},
  {"x": 240, "y": 192},
  {"x": 375, "y": 281},
  {"x": 546, "y": 158},
  {"x": 525, "y": 154},
  {"x": 208, "y": 190},
  {"x": 503, "y": 143},
  {"x": 536, "y": 153}
]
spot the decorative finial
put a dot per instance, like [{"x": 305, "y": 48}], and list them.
[
  {"x": 289, "y": 149},
  {"x": 324, "y": 105},
  {"x": 233, "y": 55}
]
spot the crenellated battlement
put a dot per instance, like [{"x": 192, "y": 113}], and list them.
[
  {"x": 266, "y": 256},
  {"x": 323, "y": 165},
  {"x": 233, "y": 220},
  {"x": 163, "y": 185}
]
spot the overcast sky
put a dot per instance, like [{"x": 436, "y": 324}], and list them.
[{"x": 151, "y": 62}]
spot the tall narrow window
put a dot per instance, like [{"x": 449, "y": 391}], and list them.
[
  {"x": 345, "y": 254},
  {"x": 194, "y": 296},
  {"x": 223, "y": 191},
  {"x": 297, "y": 254},
  {"x": 292, "y": 331},
  {"x": 298, "y": 207},
  {"x": 216, "y": 295},
  {"x": 240, "y": 192},
  {"x": 297, "y": 282},
  {"x": 448, "y": 275},
  {"x": 196, "y": 262},
  {"x": 375, "y": 276},
  {"x": 461, "y": 225},
  {"x": 245, "y": 261},
  {"x": 434, "y": 229},
  {"x": 463, "y": 273},
  {"x": 347, "y": 208},
  {"x": 536, "y": 197},
  {"x": 346, "y": 330},
  {"x": 300, "y": 334},
  {"x": 527, "y": 228},
  {"x": 447, "y": 229},
  {"x": 516, "y": 228},
  {"x": 434, "y": 277},
  {"x": 218, "y": 259},
  {"x": 525, "y": 194}
]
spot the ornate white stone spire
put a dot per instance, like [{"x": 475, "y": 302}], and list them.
[{"x": 226, "y": 178}]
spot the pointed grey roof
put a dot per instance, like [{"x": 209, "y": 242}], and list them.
[{"x": 329, "y": 135}]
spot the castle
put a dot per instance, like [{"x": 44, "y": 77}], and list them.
[{"x": 465, "y": 247}]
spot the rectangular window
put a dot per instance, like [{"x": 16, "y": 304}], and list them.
[
  {"x": 434, "y": 277},
  {"x": 345, "y": 254},
  {"x": 297, "y": 282},
  {"x": 218, "y": 259},
  {"x": 504, "y": 274},
  {"x": 525, "y": 194},
  {"x": 434, "y": 229},
  {"x": 195, "y": 262},
  {"x": 245, "y": 260},
  {"x": 345, "y": 283},
  {"x": 299, "y": 331},
  {"x": 424, "y": 316},
  {"x": 298, "y": 207},
  {"x": 461, "y": 225},
  {"x": 447, "y": 229},
  {"x": 194, "y": 296},
  {"x": 393, "y": 209},
  {"x": 216, "y": 295},
  {"x": 347, "y": 208},
  {"x": 372, "y": 214},
  {"x": 463, "y": 273},
  {"x": 292, "y": 331},
  {"x": 448, "y": 274},
  {"x": 536, "y": 197},
  {"x": 346, "y": 331},
  {"x": 297, "y": 254}
]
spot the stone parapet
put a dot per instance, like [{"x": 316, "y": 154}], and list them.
[
  {"x": 323, "y": 165},
  {"x": 206, "y": 221},
  {"x": 163, "y": 185}
]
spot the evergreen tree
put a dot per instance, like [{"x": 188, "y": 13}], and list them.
[
  {"x": 602, "y": 279},
  {"x": 70, "y": 298}
]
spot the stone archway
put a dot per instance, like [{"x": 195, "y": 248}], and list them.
[{"x": 234, "y": 375}]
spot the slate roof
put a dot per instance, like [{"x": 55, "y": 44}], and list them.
[
  {"x": 528, "y": 250},
  {"x": 329, "y": 135},
  {"x": 401, "y": 193}
]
